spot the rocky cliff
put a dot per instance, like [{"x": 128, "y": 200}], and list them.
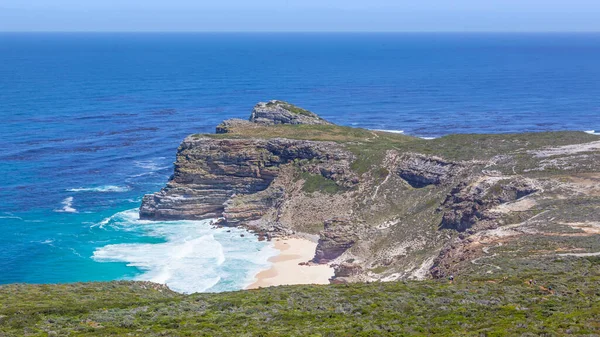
[{"x": 388, "y": 206}]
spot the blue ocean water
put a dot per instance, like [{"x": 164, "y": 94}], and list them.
[{"x": 91, "y": 122}]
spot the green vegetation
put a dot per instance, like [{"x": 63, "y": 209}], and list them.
[
  {"x": 316, "y": 182},
  {"x": 468, "y": 307},
  {"x": 370, "y": 146},
  {"x": 341, "y": 134},
  {"x": 476, "y": 146},
  {"x": 292, "y": 108}
]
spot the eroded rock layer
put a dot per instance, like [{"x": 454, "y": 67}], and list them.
[
  {"x": 387, "y": 206},
  {"x": 210, "y": 171}
]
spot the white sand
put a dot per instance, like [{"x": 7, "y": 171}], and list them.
[{"x": 285, "y": 269}]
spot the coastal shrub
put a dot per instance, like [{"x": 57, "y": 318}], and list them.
[
  {"x": 318, "y": 183},
  {"x": 484, "y": 305},
  {"x": 292, "y": 108}
]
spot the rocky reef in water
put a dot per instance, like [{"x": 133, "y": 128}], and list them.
[{"x": 389, "y": 206}]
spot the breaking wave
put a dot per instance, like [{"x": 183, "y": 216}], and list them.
[
  {"x": 390, "y": 131},
  {"x": 190, "y": 256},
  {"x": 103, "y": 189},
  {"x": 67, "y": 206}
]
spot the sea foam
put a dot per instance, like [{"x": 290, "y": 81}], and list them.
[
  {"x": 390, "y": 131},
  {"x": 67, "y": 206},
  {"x": 102, "y": 189},
  {"x": 192, "y": 257},
  {"x": 593, "y": 132}
]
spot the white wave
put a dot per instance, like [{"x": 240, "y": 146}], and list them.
[
  {"x": 428, "y": 138},
  {"x": 593, "y": 132},
  {"x": 152, "y": 164},
  {"x": 67, "y": 206},
  {"x": 76, "y": 253},
  {"x": 193, "y": 257},
  {"x": 103, "y": 189},
  {"x": 11, "y": 217},
  {"x": 122, "y": 220},
  {"x": 390, "y": 131},
  {"x": 48, "y": 242}
]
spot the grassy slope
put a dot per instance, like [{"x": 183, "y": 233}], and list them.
[
  {"x": 492, "y": 307},
  {"x": 370, "y": 146}
]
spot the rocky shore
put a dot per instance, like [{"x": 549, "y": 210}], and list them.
[{"x": 389, "y": 206}]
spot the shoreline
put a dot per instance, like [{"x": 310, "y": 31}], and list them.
[{"x": 286, "y": 269}]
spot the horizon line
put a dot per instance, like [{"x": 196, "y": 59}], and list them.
[{"x": 297, "y": 32}]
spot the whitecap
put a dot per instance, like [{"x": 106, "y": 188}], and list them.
[
  {"x": 76, "y": 253},
  {"x": 122, "y": 220},
  {"x": 593, "y": 132},
  {"x": 11, "y": 217},
  {"x": 67, "y": 206},
  {"x": 48, "y": 242},
  {"x": 428, "y": 138},
  {"x": 192, "y": 257},
  {"x": 151, "y": 165},
  {"x": 390, "y": 131},
  {"x": 102, "y": 189}
]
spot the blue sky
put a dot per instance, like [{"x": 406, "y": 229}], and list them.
[{"x": 299, "y": 15}]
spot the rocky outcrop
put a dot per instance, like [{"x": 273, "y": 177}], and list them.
[
  {"x": 346, "y": 271},
  {"x": 272, "y": 113},
  {"x": 248, "y": 207},
  {"x": 209, "y": 172},
  {"x": 468, "y": 204},
  {"x": 279, "y": 112},
  {"x": 338, "y": 236},
  {"x": 420, "y": 170}
]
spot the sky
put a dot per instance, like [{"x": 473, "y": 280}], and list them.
[{"x": 301, "y": 15}]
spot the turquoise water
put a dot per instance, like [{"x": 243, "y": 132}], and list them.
[{"x": 91, "y": 122}]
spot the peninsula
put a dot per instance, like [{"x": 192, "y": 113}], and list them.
[
  {"x": 483, "y": 235},
  {"x": 387, "y": 206}
]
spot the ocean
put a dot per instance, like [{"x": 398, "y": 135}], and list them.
[{"x": 91, "y": 122}]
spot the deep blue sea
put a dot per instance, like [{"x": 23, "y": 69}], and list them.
[{"x": 91, "y": 122}]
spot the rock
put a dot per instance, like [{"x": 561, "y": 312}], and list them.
[
  {"x": 468, "y": 204},
  {"x": 248, "y": 207},
  {"x": 279, "y": 112},
  {"x": 346, "y": 269},
  {"x": 420, "y": 170},
  {"x": 337, "y": 237},
  {"x": 210, "y": 172},
  {"x": 228, "y": 124}
]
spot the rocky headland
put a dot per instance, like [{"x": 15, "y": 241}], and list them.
[{"x": 388, "y": 206}]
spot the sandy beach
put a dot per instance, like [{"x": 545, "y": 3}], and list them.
[{"x": 286, "y": 269}]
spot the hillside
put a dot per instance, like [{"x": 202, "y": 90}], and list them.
[
  {"x": 389, "y": 206},
  {"x": 468, "y": 307}
]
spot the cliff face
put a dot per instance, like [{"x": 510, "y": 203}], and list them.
[
  {"x": 389, "y": 206},
  {"x": 211, "y": 173}
]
